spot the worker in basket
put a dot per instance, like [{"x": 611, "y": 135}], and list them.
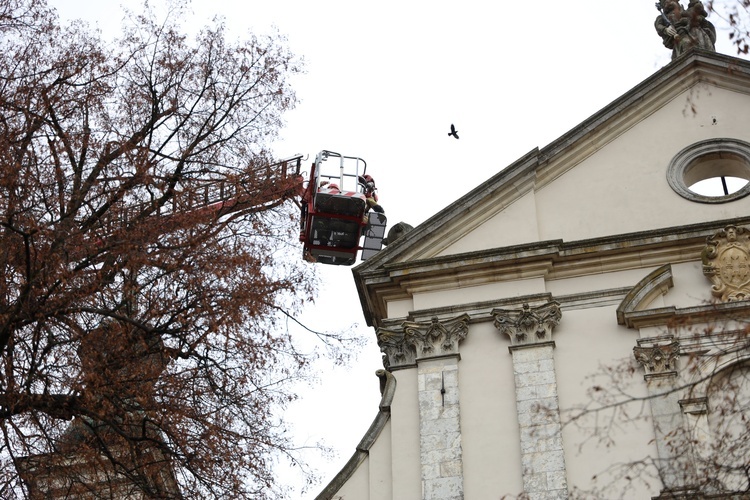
[
  {"x": 329, "y": 188},
  {"x": 370, "y": 191}
]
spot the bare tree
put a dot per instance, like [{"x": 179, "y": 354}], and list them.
[
  {"x": 145, "y": 257},
  {"x": 695, "y": 402},
  {"x": 735, "y": 17}
]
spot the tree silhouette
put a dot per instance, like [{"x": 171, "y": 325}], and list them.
[
  {"x": 696, "y": 407},
  {"x": 146, "y": 262},
  {"x": 735, "y": 17}
]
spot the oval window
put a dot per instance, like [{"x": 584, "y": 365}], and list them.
[{"x": 713, "y": 171}]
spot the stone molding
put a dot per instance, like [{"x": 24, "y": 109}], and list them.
[
  {"x": 553, "y": 259},
  {"x": 685, "y": 493},
  {"x": 665, "y": 316},
  {"x": 726, "y": 263},
  {"x": 694, "y": 406},
  {"x": 528, "y": 325},
  {"x": 689, "y": 159},
  {"x": 656, "y": 283},
  {"x": 404, "y": 346},
  {"x": 512, "y": 348}
]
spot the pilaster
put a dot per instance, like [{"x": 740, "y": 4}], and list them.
[
  {"x": 433, "y": 348},
  {"x": 659, "y": 357},
  {"x": 542, "y": 456}
]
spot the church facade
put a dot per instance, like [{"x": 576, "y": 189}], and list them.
[{"x": 577, "y": 325}]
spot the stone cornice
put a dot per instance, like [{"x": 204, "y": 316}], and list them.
[
  {"x": 548, "y": 260},
  {"x": 687, "y": 315},
  {"x": 480, "y": 312},
  {"x": 477, "y": 311}
]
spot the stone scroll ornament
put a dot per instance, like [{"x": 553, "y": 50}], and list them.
[
  {"x": 684, "y": 29},
  {"x": 726, "y": 263}
]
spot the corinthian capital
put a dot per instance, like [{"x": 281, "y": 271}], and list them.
[
  {"x": 436, "y": 338},
  {"x": 397, "y": 350},
  {"x": 528, "y": 325},
  {"x": 658, "y": 359},
  {"x": 415, "y": 340}
]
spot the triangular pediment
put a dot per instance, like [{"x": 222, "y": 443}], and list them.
[
  {"x": 606, "y": 176},
  {"x": 614, "y": 174}
]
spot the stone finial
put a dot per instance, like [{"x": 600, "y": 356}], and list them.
[
  {"x": 726, "y": 263},
  {"x": 396, "y": 232},
  {"x": 684, "y": 29},
  {"x": 528, "y": 325},
  {"x": 658, "y": 359},
  {"x": 414, "y": 340}
]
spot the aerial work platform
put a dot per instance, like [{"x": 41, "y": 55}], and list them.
[{"x": 339, "y": 208}]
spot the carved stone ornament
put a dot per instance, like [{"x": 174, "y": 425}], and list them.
[
  {"x": 397, "y": 351},
  {"x": 528, "y": 325},
  {"x": 416, "y": 340},
  {"x": 684, "y": 28},
  {"x": 658, "y": 358},
  {"x": 726, "y": 263}
]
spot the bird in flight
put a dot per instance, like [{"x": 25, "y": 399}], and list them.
[{"x": 453, "y": 131}]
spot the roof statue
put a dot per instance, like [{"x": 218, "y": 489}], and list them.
[{"x": 684, "y": 29}]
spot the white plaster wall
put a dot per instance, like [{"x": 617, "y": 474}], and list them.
[
  {"x": 623, "y": 187},
  {"x": 586, "y": 341},
  {"x": 514, "y": 225},
  {"x": 489, "y": 428},
  {"x": 456, "y": 294},
  {"x": 379, "y": 465},
  {"x": 406, "y": 469},
  {"x": 691, "y": 287},
  {"x": 400, "y": 308},
  {"x": 599, "y": 281},
  {"x": 358, "y": 486}
]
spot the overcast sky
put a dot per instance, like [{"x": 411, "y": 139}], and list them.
[{"x": 384, "y": 82}]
